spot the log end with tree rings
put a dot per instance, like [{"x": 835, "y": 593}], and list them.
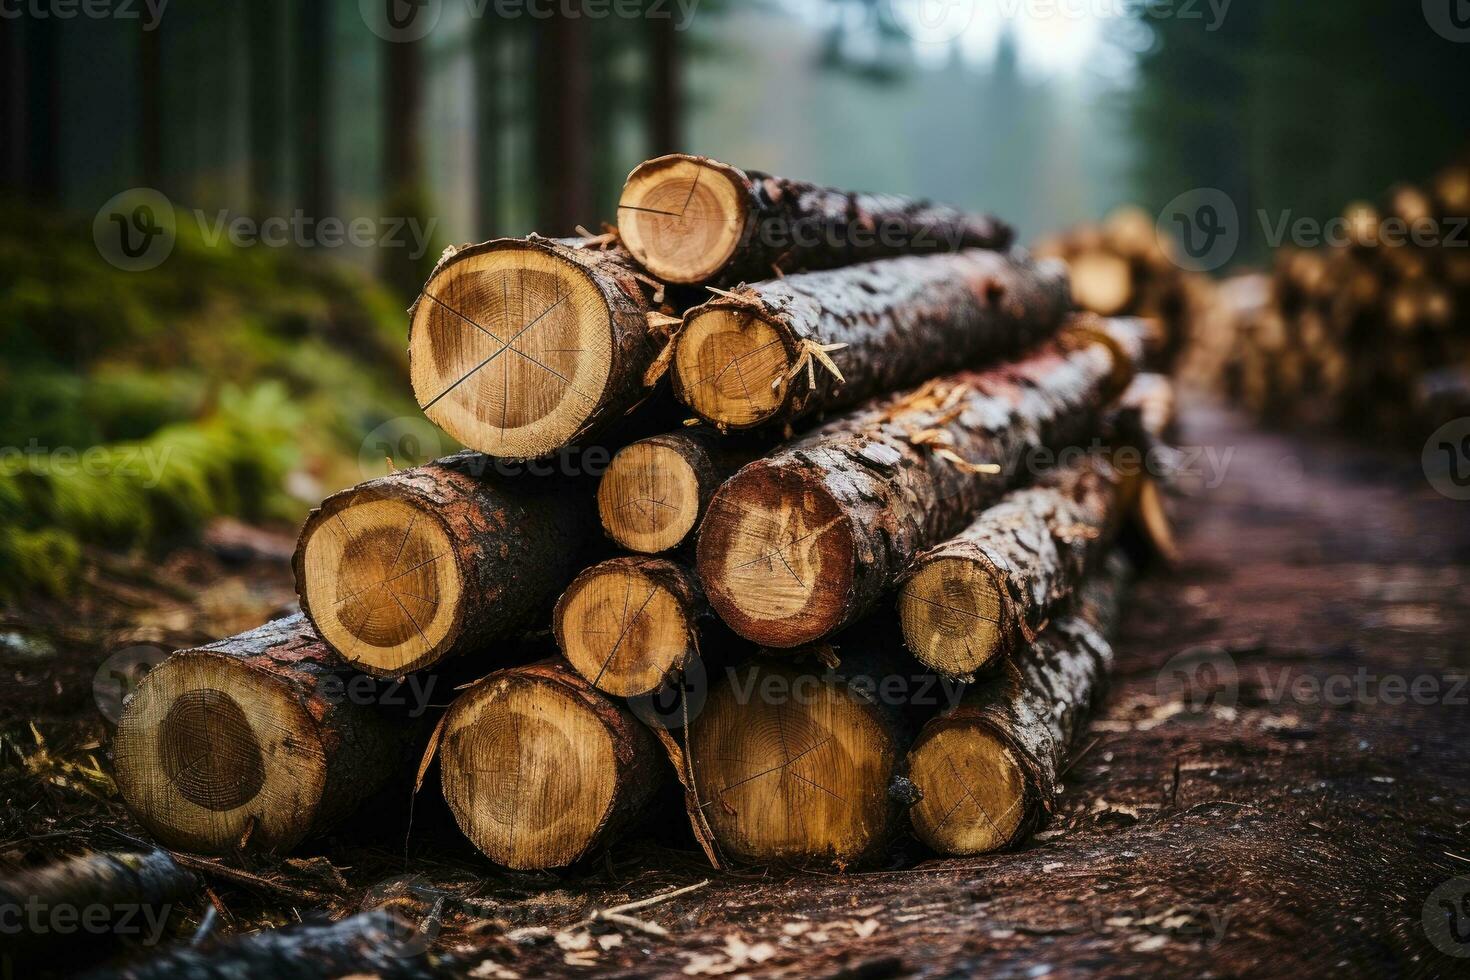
[
  {"x": 974, "y": 789},
  {"x": 732, "y": 366},
  {"x": 953, "y": 616},
  {"x": 776, "y": 555},
  {"x": 380, "y": 578},
  {"x": 1101, "y": 282},
  {"x": 650, "y": 497},
  {"x": 537, "y": 768},
  {"x": 792, "y": 767},
  {"x": 211, "y": 752},
  {"x": 511, "y": 346},
  {"x": 627, "y": 624},
  {"x": 683, "y": 217}
]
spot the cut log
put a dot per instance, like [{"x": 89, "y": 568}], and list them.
[
  {"x": 698, "y": 221},
  {"x": 989, "y": 589},
  {"x": 655, "y": 490},
  {"x": 793, "y": 766},
  {"x": 402, "y": 571},
  {"x": 540, "y": 769},
  {"x": 372, "y": 944},
  {"x": 775, "y": 351},
  {"x": 803, "y": 542},
  {"x": 988, "y": 770},
  {"x": 628, "y": 624},
  {"x": 256, "y": 741},
  {"x": 134, "y": 891},
  {"x": 1101, "y": 282},
  {"x": 518, "y": 347}
]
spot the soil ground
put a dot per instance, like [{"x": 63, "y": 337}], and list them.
[{"x": 1278, "y": 783}]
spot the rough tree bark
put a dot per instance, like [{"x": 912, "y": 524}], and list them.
[
  {"x": 655, "y": 490},
  {"x": 988, "y": 770},
  {"x": 405, "y": 570},
  {"x": 628, "y": 625},
  {"x": 992, "y": 587},
  {"x": 256, "y": 741},
  {"x": 518, "y": 347},
  {"x": 694, "y": 220},
  {"x": 775, "y": 351},
  {"x": 540, "y": 769},
  {"x": 805, "y": 541}
]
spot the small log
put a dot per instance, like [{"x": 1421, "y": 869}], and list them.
[
  {"x": 698, "y": 221},
  {"x": 405, "y": 570},
  {"x": 988, "y": 770},
  {"x": 132, "y": 894},
  {"x": 540, "y": 769},
  {"x": 254, "y": 742},
  {"x": 629, "y": 624},
  {"x": 655, "y": 490},
  {"x": 807, "y": 540},
  {"x": 518, "y": 347},
  {"x": 775, "y": 351}
]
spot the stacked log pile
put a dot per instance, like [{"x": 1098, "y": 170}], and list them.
[
  {"x": 930, "y": 489},
  {"x": 1370, "y": 332}
]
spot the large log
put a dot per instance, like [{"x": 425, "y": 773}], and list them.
[
  {"x": 630, "y": 624},
  {"x": 539, "y": 769},
  {"x": 988, "y": 770},
  {"x": 402, "y": 571},
  {"x": 803, "y": 542},
  {"x": 655, "y": 490},
  {"x": 518, "y": 347},
  {"x": 989, "y": 589},
  {"x": 256, "y": 741},
  {"x": 775, "y": 351},
  {"x": 698, "y": 221}
]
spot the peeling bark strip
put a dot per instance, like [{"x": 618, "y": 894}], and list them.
[
  {"x": 992, "y": 586},
  {"x": 518, "y": 347},
  {"x": 627, "y": 624},
  {"x": 655, "y": 490},
  {"x": 694, "y": 220},
  {"x": 405, "y": 570},
  {"x": 775, "y": 351},
  {"x": 805, "y": 541},
  {"x": 249, "y": 743},
  {"x": 539, "y": 768},
  {"x": 988, "y": 770}
]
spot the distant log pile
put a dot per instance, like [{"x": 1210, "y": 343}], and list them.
[
  {"x": 931, "y": 495},
  {"x": 1370, "y": 333}
]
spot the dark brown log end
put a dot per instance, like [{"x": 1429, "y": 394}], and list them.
[
  {"x": 537, "y": 767},
  {"x": 776, "y": 555},
  {"x": 732, "y": 366},
  {"x": 649, "y": 498},
  {"x": 974, "y": 789},
  {"x": 380, "y": 578},
  {"x": 626, "y": 625},
  {"x": 511, "y": 347},
  {"x": 210, "y": 748},
  {"x": 952, "y": 613},
  {"x": 792, "y": 767},
  {"x": 683, "y": 217}
]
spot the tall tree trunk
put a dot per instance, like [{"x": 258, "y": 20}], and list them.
[
  {"x": 488, "y": 80},
  {"x": 313, "y": 107},
  {"x": 150, "y": 106},
  {"x": 266, "y": 107},
  {"x": 560, "y": 135},
  {"x": 12, "y": 110},
  {"x": 665, "y": 87},
  {"x": 404, "y": 193},
  {"x": 43, "y": 108}
]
